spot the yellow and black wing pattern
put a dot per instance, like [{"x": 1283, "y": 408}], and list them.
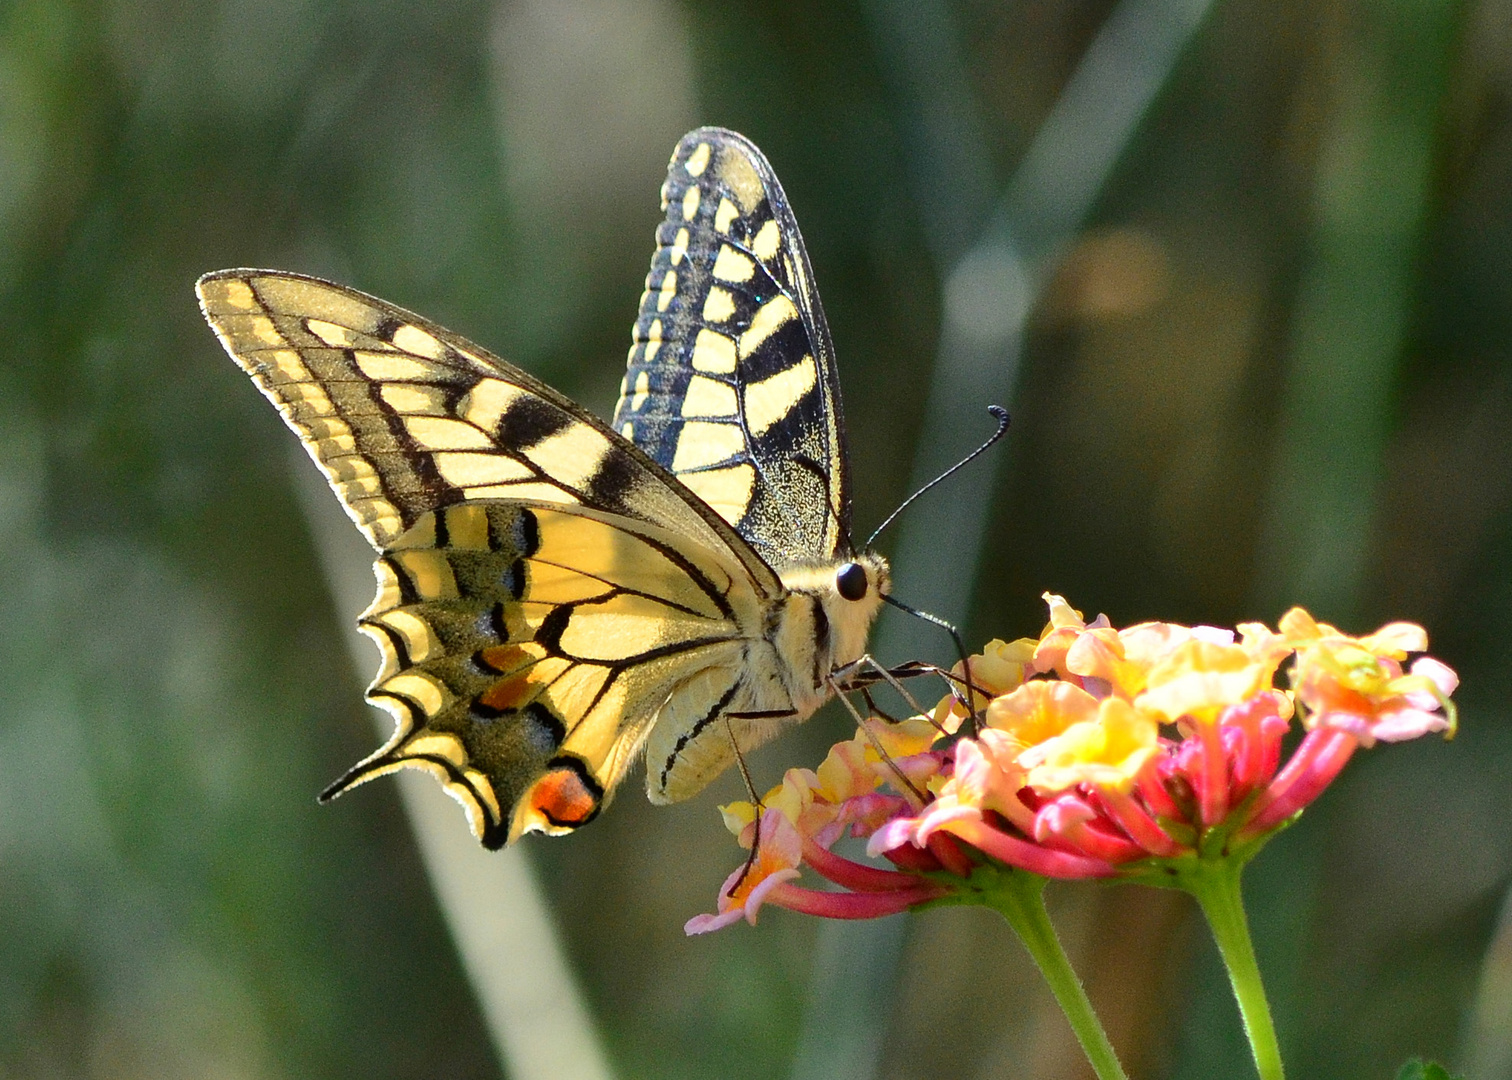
[
  {"x": 731, "y": 381},
  {"x": 546, "y": 591}
]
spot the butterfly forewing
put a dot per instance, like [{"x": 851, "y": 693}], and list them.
[
  {"x": 404, "y": 417},
  {"x": 731, "y": 381}
]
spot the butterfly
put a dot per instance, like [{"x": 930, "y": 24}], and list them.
[{"x": 558, "y": 597}]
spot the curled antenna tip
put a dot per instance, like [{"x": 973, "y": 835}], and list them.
[{"x": 999, "y": 414}]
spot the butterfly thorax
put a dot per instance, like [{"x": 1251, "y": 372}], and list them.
[{"x": 816, "y": 629}]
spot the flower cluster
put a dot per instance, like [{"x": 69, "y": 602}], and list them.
[{"x": 1090, "y": 752}]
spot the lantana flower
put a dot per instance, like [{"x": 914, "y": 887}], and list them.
[
  {"x": 1151, "y": 753},
  {"x": 1094, "y": 750}
]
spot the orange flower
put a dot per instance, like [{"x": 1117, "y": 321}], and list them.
[
  {"x": 997, "y": 669},
  {"x": 1357, "y": 685},
  {"x": 1121, "y": 659},
  {"x": 1065, "y": 626},
  {"x": 779, "y": 851},
  {"x": 1040, "y": 710}
]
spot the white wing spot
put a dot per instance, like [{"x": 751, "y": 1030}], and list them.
[
  {"x": 726, "y": 213},
  {"x": 714, "y": 353},
  {"x": 703, "y": 443},
  {"x": 261, "y": 327},
  {"x": 485, "y": 403},
  {"x": 428, "y": 572},
  {"x": 285, "y": 365},
  {"x": 767, "y": 241},
  {"x": 441, "y": 744},
  {"x": 679, "y": 248},
  {"x": 419, "y": 641},
  {"x": 387, "y": 366},
  {"x": 410, "y": 399},
  {"x": 708, "y": 397},
  {"x": 653, "y": 340},
  {"x": 338, "y": 337},
  {"x": 572, "y": 455},
  {"x": 470, "y": 470},
  {"x": 232, "y": 293},
  {"x": 770, "y": 317},
  {"x": 444, "y": 433}
]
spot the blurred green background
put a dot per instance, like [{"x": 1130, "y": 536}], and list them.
[{"x": 1275, "y": 367}]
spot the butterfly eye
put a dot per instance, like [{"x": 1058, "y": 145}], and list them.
[{"x": 850, "y": 581}]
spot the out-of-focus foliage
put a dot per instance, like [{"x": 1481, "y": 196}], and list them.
[{"x": 173, "y": 904}]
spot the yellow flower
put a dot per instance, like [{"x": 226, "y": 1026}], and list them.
[
  {"x": 997, "y": 669},
  {"x": 1040, "y": 710},
  {"x": 1200, "y": 679},
  {"x": 1066, "y": 625},
  {"x": 901, "y": 739},
  {"x": 1357, "y": 684},
  {"x": 1392, "y": 641},
  {"x": 1106, "y": 752}
]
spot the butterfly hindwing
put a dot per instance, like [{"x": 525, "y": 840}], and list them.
[
  {"x": 731, "y": 381},
  {"x": 547, "y": 592},
  {"x": 527, "y": 649}
]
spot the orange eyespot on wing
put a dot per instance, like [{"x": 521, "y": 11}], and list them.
[
  {"x": 567, "y": 797},
  {"x": 528, "y": 650}
]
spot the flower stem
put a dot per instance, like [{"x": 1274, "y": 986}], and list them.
[
  {"x": 1020, "y": 898},
  {"x": 1215, "y": 884}
]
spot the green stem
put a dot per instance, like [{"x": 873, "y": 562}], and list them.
[
  {"x": 1215, "y": 884},
  {"x": 1020, "y": 898}
]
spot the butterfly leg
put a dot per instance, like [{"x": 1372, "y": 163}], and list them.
[
  {"x": 865, "y": 671},
  {"x": 905, "y": 784},
  {"x": 745, "y": 774},
  {"x": 949, "y": 628}
]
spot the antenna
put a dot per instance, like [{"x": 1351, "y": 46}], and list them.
[{"x": 1001, "y": 415}]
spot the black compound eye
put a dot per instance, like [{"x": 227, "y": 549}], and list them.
[{"x": 850, "y": 581}]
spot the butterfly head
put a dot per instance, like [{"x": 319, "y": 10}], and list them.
[
  {"x": 851, "y": 602},
  {"x": 838, "y": 604},
  {"x": 861, "y": 579}
]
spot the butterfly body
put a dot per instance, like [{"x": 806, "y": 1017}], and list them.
[{"x": 557, "y": 597}]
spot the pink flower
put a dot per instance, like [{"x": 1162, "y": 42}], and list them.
[
  {"x": 777, "y": 856},
  {"x": 1154, "y": 742}
]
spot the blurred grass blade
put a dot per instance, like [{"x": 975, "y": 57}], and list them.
[
  {"x": 1353, "y": 309},
  {"x": 989, "y": 291},
  {"x": 539, "y": 1020},
  {"x": 1487, "y": 1051}
]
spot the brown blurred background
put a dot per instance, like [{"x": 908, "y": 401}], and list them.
[{"x": 1273, "y": 366}]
